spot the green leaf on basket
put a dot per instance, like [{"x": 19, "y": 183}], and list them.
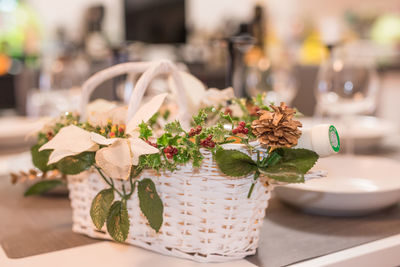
[
  {"x": 42, "y": 187},
  {"x": 41, "y": 158},
  {"x": 150, "y": 203},
  {"x": 76, "y": 164},
  {"x": 234, "y": 163},
  {"x": 118, "y": 221},
  {"x": 100, "y": 206},
  {"x": 292, "y": 166}
]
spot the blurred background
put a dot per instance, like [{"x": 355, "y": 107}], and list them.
[{"x": 330, "y": 59}]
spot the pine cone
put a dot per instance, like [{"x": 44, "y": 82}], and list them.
[{"x": 277, "y": 128}]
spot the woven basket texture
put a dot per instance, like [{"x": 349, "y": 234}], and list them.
[{"x": 207, "y": 215}]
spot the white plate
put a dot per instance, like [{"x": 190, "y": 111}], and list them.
[
  {"x": 367, "y": 131},
  {"x": 14, "y": 130},
  {"x": 354, "y": 186}
]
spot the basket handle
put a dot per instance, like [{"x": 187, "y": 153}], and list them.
[
  {"x": 98, "y": 78},
  {"x": 149, "y": 70},
  {"x": 160, "y": 68}
]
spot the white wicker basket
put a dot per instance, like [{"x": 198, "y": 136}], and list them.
[{"x": 207, "y": 215}]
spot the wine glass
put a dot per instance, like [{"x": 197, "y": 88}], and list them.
[
  {"x": 278, "y": 85},
  {"x": 347, "y": 85}
]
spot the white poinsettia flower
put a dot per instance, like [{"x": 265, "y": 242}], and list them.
[
  {"x": 119, "y": 154},
  {"x": 69, "y": 141},
  {"x": 117, "y": 158},
  {"x": 215, "y": 97}
]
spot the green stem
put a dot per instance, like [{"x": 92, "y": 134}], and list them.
[
  {"x": 111, "y": 184},
  {"x": 256, "y": 175},
  {"x": 133, "y": 186}
]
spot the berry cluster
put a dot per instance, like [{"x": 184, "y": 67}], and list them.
[
  {"x": 241, "y": 128},
  {"x": 152, "y": 144},
  {"x": 195, "y": 131},
  {"x": 228, "y": 111},
  {"x": 208, "y": 142},
  {"x": 170, "y": 151}
]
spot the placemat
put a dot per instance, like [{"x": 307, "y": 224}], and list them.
[{"x": 36, "y": 225}]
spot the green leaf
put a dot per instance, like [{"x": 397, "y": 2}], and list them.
[
  {"x": 41, "y": 158},
  {"x": 173, "y": 127},
  {"x": 145, "y": 131},
  {"x": 234, "y": 163},
  {"x": 118, "y": 221},
  {"x": 163, "y": 140},
  {"x": 153, "y": 119},
  {"x": 100, "y": 206},
  {"x": 292, "y": 166},
  {"x": 76, "y": 164},
  {"x": 42, "y": 187},
  {"x": 200, "y": 118},
  {"x": 150, "y": 203},
  {"x": 303, "y": 159}
]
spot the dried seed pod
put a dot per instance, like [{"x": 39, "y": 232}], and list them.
[{"x": 277, "y": 128}]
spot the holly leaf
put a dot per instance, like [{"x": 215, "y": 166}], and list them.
[
  {"x": 163, "y": 140},
  {"x": 42, "y": 187},
  {"x": 292, "y": 166},
  {"x": 118, "y": 221},
  {"x": 76, "y": 164},
  {"x": 100, "y": 207},
  {"x": 145, "y": 131},
  {"x": 40, "y": 158},
  {"x": 173, "y": 127},
  {"x": 200, "y": 118},
  {"x": 234, "y": 163},
  {"x": 150, "y": 203}
]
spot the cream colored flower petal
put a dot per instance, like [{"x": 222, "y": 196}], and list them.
[
  {"x": 100, "y": 105},
  {"x": 213, "y": 96},
  {"x": 71, "y": 138},
  {"x": 236, "y": 110},
  {"x": 135, "y": 134},
  {"x": 98, "y": 112},
  {"x": 118, "y": 115},
  {"x": 140, "y": 147},
  {"x": 57, "y": 155},
  {"x": 145, "y": 112},
  {"x": 115, "y": 160},
  {"x": 101, "y": 140}
]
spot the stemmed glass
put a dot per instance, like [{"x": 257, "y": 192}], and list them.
[{"x": 347, "y": 85}]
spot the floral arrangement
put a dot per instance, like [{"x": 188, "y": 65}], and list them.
[{"x": 121, "y": 152}]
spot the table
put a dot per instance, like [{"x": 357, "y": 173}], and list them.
[{"x": 68, "y": 247}]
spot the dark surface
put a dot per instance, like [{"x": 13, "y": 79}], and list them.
[{"x": 35, "y": 225}]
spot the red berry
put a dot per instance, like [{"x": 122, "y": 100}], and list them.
[
  {"x": 235, "y": 131},
  {"x": 199, "y": 128},
  {"x": 228, "y": 111},
  {"x": 245, "y": 131},
  {"x": 242, "y": 124},
  {"x": 169, "y": 156}
]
